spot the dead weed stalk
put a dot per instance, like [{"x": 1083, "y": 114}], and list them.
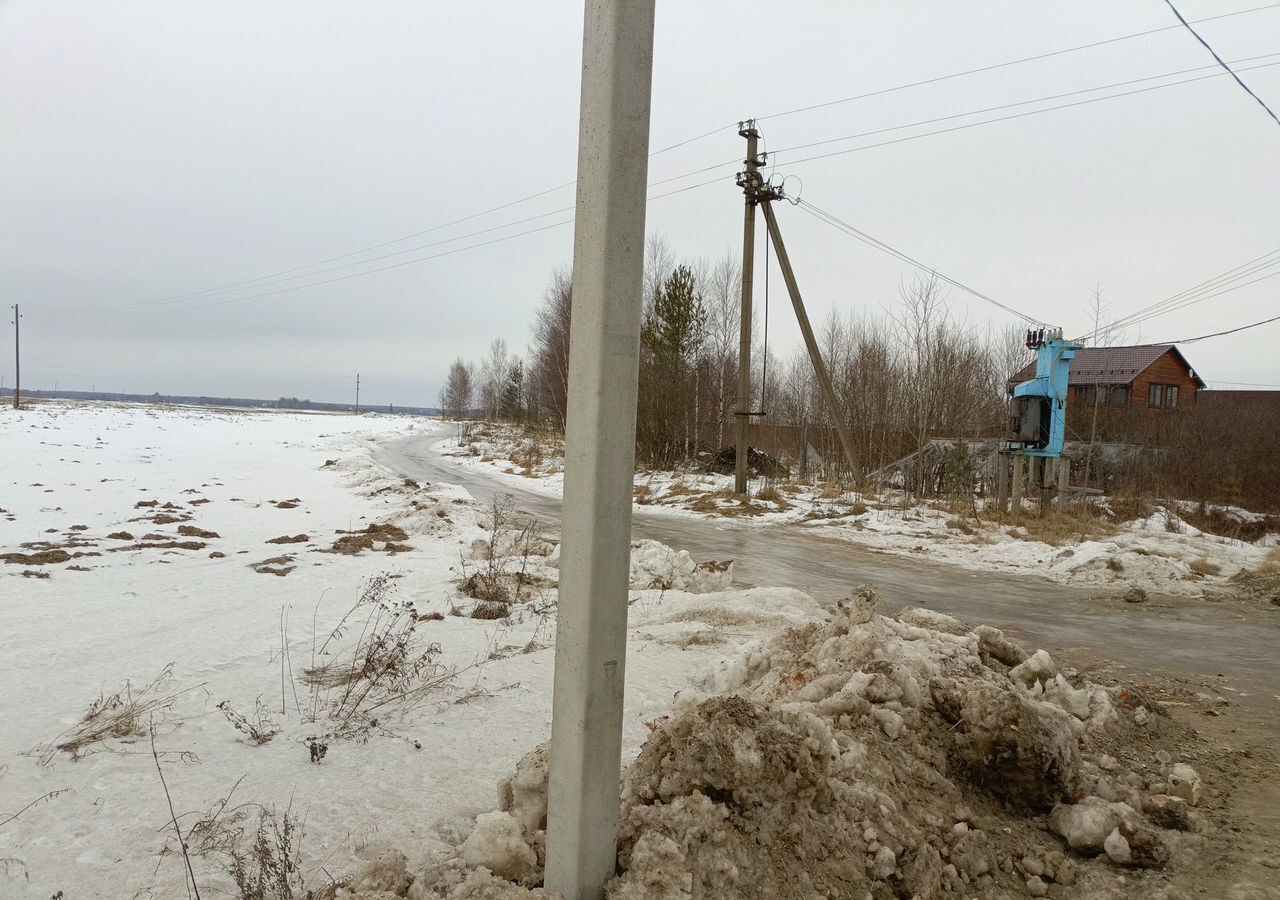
[{"x": 123, "y": 715}]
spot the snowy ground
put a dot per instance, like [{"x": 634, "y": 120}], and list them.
[
  {"x": 124, "y": 609},
  {"x": 1160, "y": 552}
]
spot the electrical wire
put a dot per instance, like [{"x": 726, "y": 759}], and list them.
[
  {"x": 1205, "y": 290},
  {"x": 350, "y": 275},
  {"x": 1215, "y": 55},
  {"x": 260, "y": 280},
  {"x": 1021, "y": 115},
  {"x": 975, "y": 112},
  {"x": 876, "y": 243},
  {"x": 1204, "y": 337},
  {"x": 1012, "y": 62}
]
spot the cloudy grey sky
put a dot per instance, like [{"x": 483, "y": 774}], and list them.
[{"x": 160, "y": 150}]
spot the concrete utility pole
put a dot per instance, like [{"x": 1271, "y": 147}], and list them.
[
  {"x": 604, "y": 352},
  {"x": 357, "y": 393},
  {"x": 17, "y": 359},
  {"x": 751, "y": 184},
  {"x": 806, "y": 330}
]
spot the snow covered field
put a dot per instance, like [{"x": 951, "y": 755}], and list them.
[
  {"x": 1161, "y": 552},
  {"x": 249, "y": 606},
  {"x": 130, "y": 609}
]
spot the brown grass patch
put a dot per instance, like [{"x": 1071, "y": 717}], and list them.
[
  {"x": 354, "y": 542},
  {"x": 277, "y": 565},
  {"x": 708, "y": 503},
  {"x": 161, "y": 545},
  {"x": 1204, "y": 567},
  {"x": 1059, "y": 527},
  {"x": 193, "y": 531},
  {"x": 642, "y": 494},
  {"x": 1272, "y": 562},
  {"x": 771, "y": 494},
  {"x": 39, "y": 558},
  {"x": 287, "y": 539},
  {"x": 120, "y": 536}
]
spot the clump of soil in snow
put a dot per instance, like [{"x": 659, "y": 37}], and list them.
[
  {"x": 193, "y": 531},
  {"x": 287, "y": 539},
  {"x": 868, "y": 757},
  {"x": 277, "y": 565},
  {"x": 391, "y": 536},
  {"x": 39, "y": 558}
]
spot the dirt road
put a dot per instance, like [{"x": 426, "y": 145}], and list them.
[{"x": 1208, "y": 645}]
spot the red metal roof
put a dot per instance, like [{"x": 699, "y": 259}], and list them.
[{"x": 1114, "y": 365}]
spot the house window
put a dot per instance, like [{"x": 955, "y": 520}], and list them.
[
  {"x": 1155, "y": 398},
  {"x": 1171, "y": 396},
  {"x": 1120, "y": 395}
]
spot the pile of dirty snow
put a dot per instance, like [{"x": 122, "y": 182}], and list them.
[{"x": 865, "y": 756}]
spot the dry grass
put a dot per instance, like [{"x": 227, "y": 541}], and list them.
[
  {"x": 125, "y": 715},
  {"x": 1059, "y": 527},
  {"x": 770, "y": 494},
  {"x": 642, "y": 494},
  {"x": 1272, "y": 562},
  {"x": 1203, "y": 567},
  {"x": 385, "y": 666},
  {"x": 353, "y": 543},
  {"x": 709, "y": 503}
]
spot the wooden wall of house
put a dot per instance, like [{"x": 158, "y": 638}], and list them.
[{"x": 1165, "y": 370}]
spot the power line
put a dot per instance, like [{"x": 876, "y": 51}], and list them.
[
  {"x": 1215, "y": 55},
  {"x": 975, "y": 112},
  {"x": 880, "y": 245},
  {"x": 1012, "y": 62},
  {"x": 1210, "y": 290},
  {"x": 1202, "y": 337},
  {"x": 1033, "y": 112},
  {"x": 294, "y": 271},
  {"x": 1244, "y": 383},
  {"x": 351, "y": 275},
  {"x": 1205, "y": 290}
]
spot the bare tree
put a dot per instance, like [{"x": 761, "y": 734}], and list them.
[
  {"x": 722, "y": 297},
  {"x": 549, "y": 376},
  {"x": 455, "y": 396},
  {"x": 494, "y": 371}
]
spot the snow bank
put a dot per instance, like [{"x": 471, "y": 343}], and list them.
[
  {"x": 866, "y": 756},
  {"x": 655, "y": 565}
]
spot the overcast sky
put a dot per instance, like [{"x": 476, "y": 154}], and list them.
[{"x": 164, "y": 149}]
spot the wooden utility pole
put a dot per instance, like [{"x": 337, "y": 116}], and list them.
[
  {"x": 751, "y": 183},
  {"x": 17, "y": 359},
  {"x": 806, "y": 330},
  {"x": 600, "y": 445},
  {"x": 1002, "y": 482},
  {"x": 1019, "y": 466},
  {"x": 357, "y": 393}
]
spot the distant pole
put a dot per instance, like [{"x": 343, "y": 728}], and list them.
[
  {"x": 357, "y": 393},
  {"x": 604, "y": 353},
  {"x": 17, "y": 359},
  {"x": 750, "y": 186}
]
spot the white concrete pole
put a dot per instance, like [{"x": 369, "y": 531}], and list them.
[{"x": 604, "y": 347}]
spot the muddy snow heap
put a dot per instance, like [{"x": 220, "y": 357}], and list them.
[{"x": 864, "y": 757}]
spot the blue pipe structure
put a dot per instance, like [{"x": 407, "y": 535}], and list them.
[{"x": 1039, "y": 406}]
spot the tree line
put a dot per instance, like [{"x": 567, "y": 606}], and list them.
[{"x": 911, "y": 372}]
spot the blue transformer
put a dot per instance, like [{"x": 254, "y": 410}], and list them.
[{"x": 1039, "y": 406}]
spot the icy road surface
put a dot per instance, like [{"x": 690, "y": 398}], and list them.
[{"x": 1205, "y": 642}]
